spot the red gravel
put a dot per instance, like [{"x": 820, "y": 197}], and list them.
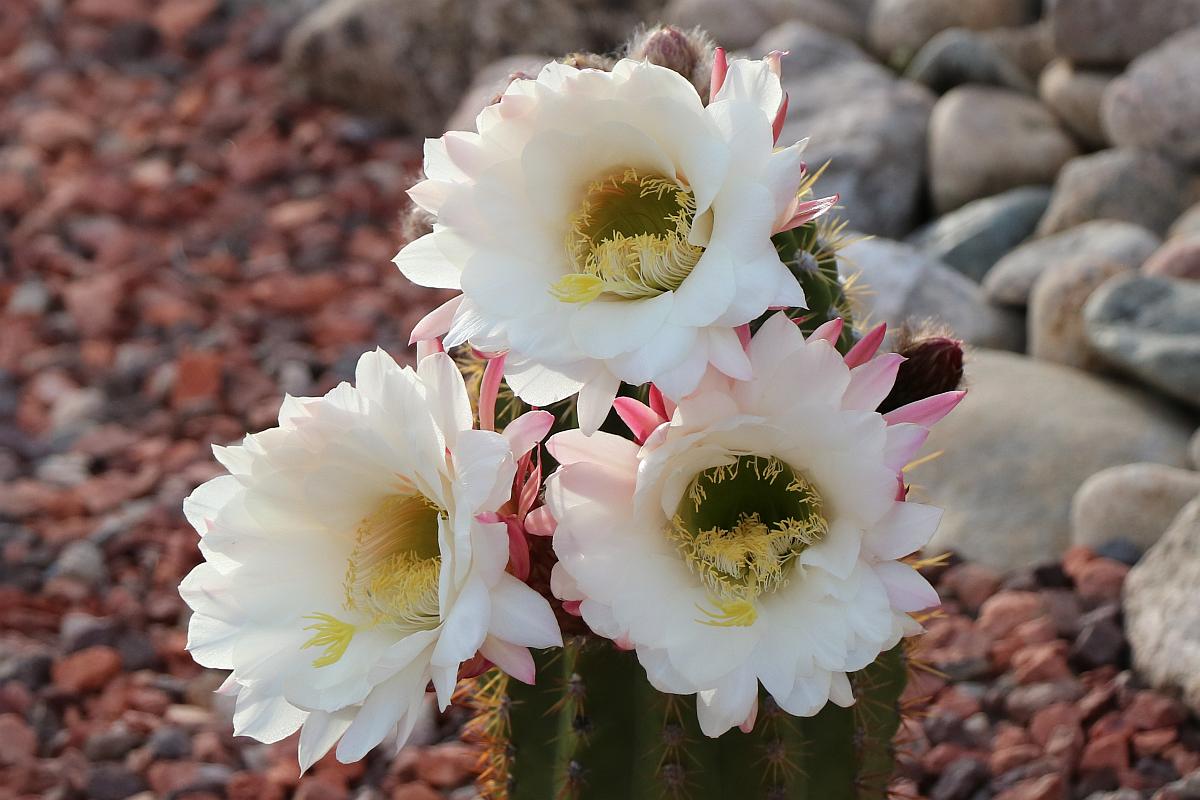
[
  {"x": 1031, "y": 685},
  {"x": 180, "y": 243}
]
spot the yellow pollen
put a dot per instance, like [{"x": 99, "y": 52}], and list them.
[
  {"x": 740, "y": 554},
  {"x": 730, "y": 614},
  {"x": 629, "y": 239},
  {"x": 330, "y": 633},
  {"x": 391, "y": 576}
]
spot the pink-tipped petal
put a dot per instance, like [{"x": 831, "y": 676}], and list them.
[
  {"x": 662, "y": 406},
  {"x": 640, "y": 418},
  {"x": 518, "y": 551},
  {"x": 719, "y": 69},
  {"x": 524, "y": 432},
  {"x": 928, "y": 411},
  {"x": 743, "y": 332},
  {"x": 830, "y": 331},
  {"x": 572, "y": 607},
  {"x": 540, "y": 522},
  {"x": 515, "y": 660},
  {"x": 529, "y": 492},
  {"x": 747, "y": 725},
  {"x": 871, "y": 382},
  {"x": 807, "y": 211},
  {"x": 436, "y": 323},
  {"x": 427, "y": 347},
  {"x": 774, "y": 61},
  {"x": 906, "y": 588},
  {"x": 780, "y": 116},
  {"x": 866, "y": 348},
  {"x": 623, "y": 643},
  {"x": 488, "y": 390}
]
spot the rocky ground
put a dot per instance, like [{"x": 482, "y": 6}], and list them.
[{"x": 184, "y": 237}]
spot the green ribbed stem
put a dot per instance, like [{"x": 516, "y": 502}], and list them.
[{"x": 594, "y": 729}]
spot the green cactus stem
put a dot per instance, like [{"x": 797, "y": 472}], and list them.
[{"x": 594, "y": 729}]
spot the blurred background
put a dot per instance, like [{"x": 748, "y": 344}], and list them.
[{"x": 199, "y": 201}]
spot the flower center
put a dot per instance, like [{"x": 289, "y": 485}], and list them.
[
  {"x": 740, "y": 527},
  {"x": 391, "y": 575},
  {"x": 629, "y": 239}
]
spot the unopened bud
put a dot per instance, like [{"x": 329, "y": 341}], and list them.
[
  {"x": 687, "y": 52},
  {"x": 666, "y": 46},
  {"x": 934, "y": 365}
]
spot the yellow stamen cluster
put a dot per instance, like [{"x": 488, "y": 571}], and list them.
[
  {"x": 742, "y": 554},
  {"x": 629, "y": 239},
  {"x": 391, "y": 576}
]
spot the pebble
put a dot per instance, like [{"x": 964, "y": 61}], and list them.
[{"x": 86, "y": 670}]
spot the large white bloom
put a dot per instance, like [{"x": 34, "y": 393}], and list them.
[
  {"x": 753, "y": 537},
  {"x": 608, "y": 226},
  {"x": 345, "y": 567}
]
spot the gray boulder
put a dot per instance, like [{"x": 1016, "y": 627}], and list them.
[
  {"x": 1149, "y": 327},
  {"x": 1132, "y": 185},
  {"x": 1156, "y": 103},
  {"x": 1011, "y": 280},
  {"x": 1135, "y": 502},
  {"x": 898, "y": 28},
  {"x": 957, "y": 56},
  {"x": 974, "y": 237},
  {"x": 897, "y": 282},
  {"x": 1162, "y": 618},
  {"x": 1114, "y": 32},
  {"x": 411, "y": 60},
  {"x": 984, "y": 140},
  {"x": 1028, "y": 434}
]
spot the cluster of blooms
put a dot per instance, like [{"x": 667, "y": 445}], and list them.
[{"x": 603, "y": 228}]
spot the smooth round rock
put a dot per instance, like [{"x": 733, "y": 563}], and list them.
[
  {"x": 1132, "y": 185},
  {"x": 1156, "y": 103},
  {"x": 1178, "y": 258},
  {"x": 1075, "y": 95},
  {"x": 973, "y": 238},
  {"x": 901, "y": 283},
  {"x": 898, "y": 28},
  {"x": 957, "y": 56},
  {"x": 732, "y": 25},
  {"x": 1135, "y": 502},
  {"x": 1187, "y": 223},
  {"x": 1162, "y": 616},
  {"x": 1149, "y": 327},
  {"x": 984, "y": 140},
  {"x": 1114, "y": 32},
  {"x": 1011, "y": 280},
  {"x": 1015, "y": 451},
  {"x": 1055, "y": 319}
]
